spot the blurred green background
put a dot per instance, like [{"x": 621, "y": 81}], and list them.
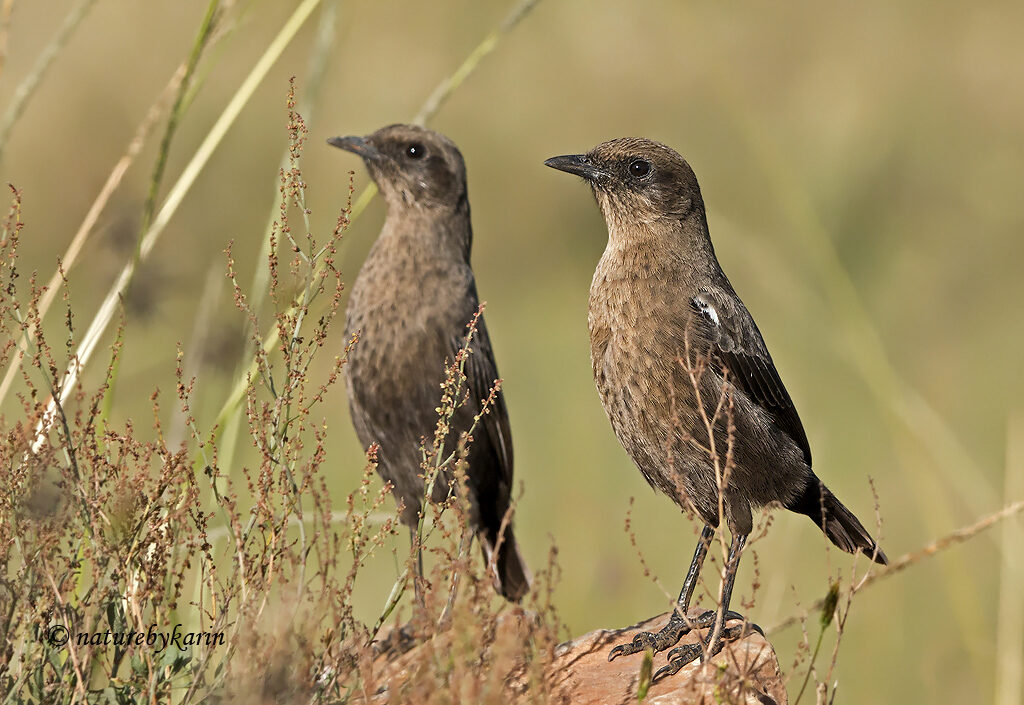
[{"x": 862, "y": 168}]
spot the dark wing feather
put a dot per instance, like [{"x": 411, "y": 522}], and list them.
[
  {"x": 738, "y": 346},
  {"x": 481, "y": 374},
  {"x": 513, "y": 579}
]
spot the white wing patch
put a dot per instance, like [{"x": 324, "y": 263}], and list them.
[{"x": 707, "y": 309}]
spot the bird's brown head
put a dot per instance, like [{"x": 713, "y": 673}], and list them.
[
  {"x": 412, "y": 166},
  {"x": 637, "y": 182}
]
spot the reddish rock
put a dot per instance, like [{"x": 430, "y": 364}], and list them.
[{"x": 746, "y": 671}]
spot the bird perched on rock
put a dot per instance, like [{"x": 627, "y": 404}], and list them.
[
  {"x": 410, "y": 305},
  {"x": 686, "y": 379}
]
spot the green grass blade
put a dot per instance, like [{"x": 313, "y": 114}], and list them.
[
  {"x": 1009, "y": 646},
  {"x": 27, "y": 88},
  {"x": 200, "y": 44}
]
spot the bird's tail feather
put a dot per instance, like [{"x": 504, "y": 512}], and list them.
[
  {"x": 511, "y": 577},
  {"x": 839, "y": 524}
]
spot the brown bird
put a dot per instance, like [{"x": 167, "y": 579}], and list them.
[
  {"x": 686, "y": 379},
  {"x": 410, "y": 305}
]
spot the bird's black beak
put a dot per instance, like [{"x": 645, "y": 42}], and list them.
[
  {"x": 357, "y": 145},
  {"x": 579, "y": 164}
]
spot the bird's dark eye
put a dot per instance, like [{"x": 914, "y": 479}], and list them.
[
  {"x": 415, "y": 150},
  {"x": 639, "y": 168}
]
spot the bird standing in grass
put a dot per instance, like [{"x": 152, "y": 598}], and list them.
[
  {"x": 686, "y": 379},
  {"x": 410, "y": 305}
]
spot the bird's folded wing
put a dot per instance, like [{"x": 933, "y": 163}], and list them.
[
  {"x": 481, "y": 374},
  {"x": 737, "y": 345}
]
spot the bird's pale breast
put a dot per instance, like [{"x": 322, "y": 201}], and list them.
[{"x": 637, "y": 343}]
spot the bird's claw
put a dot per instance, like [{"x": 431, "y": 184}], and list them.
[
  {"x": 641, "y": 642},
  {"x": 686, "y": 654},
  {"x": 672, "y": 632},
  {"x": 679, "y": 657}
]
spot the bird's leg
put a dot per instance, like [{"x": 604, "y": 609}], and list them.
[
  {"x": 446, "y": 614},
  {"x": 678, "y": 624},
  {"x": 403, "y": 637},
  {"x": 417, "y": 577},
  {"x": 682, "y": 655}
]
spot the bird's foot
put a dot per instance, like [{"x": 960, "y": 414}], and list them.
[
  {"x": 670, "y": 634},
  {"x": 681, "y": 656}
]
